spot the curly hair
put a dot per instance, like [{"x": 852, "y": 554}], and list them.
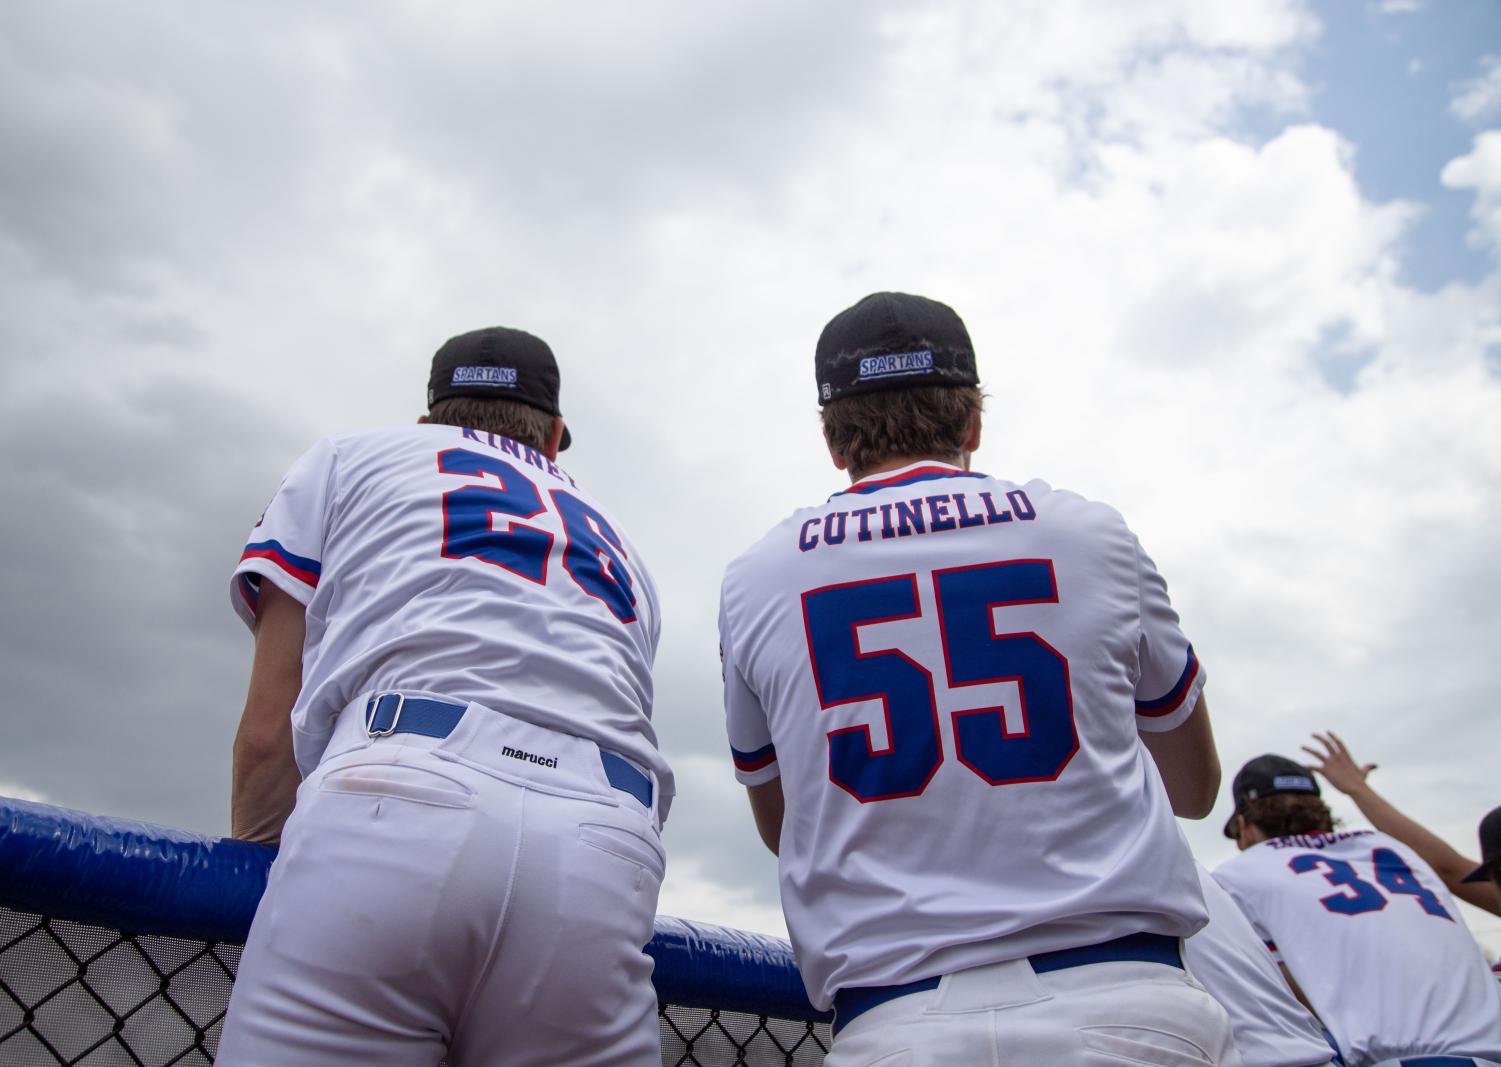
[
  {"x": 509, "y": 418},
  {"x": 1286, "y": 814},
  {"x": 928, "y": 421}
]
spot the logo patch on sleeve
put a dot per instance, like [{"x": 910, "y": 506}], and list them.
[
  {"x": 896, "y": 365},
  {"x": 500, "y": 377}
]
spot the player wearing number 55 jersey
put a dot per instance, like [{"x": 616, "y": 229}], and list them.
[
  {"x": 453, "y": 646},
  {"x": 937, "y": 685},
  {"x": 1366, "y": 930}
]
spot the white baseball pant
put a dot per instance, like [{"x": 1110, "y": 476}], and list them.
[
  {"x": 1114, "y": 1014},
  {"x": 433, "y": 897}
]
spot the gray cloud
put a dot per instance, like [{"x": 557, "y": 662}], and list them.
[{"x": 121, "y": 520}]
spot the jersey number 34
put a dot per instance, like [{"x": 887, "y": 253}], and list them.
[
  {"x": 973, "y": 654},
  {"x": 1357, "y": 896}
]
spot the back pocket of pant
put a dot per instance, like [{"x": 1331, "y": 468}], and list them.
[
  {"x": 417, "y": 784},
  {"x": 626, "y": 844},
  {"x": 1138, "y": 1044},
  {"x": 357, "y": 888}
]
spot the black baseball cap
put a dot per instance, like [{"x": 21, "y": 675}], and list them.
[
  {"x": 497, "y": 363},
  {"x": 892, "y": 341},
  {"x": 1490, "y": 847},
  {"x": 1267, "y": 776}
]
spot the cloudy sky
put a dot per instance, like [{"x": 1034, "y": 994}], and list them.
[{"x": 1233, "y": 267}]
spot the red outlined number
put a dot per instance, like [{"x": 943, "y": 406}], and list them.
[{"x": 1037, "y": 749}]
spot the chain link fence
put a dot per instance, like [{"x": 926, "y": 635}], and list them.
[{"x": 76, "y": 994}]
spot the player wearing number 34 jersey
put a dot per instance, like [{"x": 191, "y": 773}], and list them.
[
  {"x": 935, "y": 685},
  {"x": 1363, "y": 926}
]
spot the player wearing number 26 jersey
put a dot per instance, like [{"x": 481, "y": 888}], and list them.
[
  {"x": 455, "y": 642},
  {"x": 934, "y": 687},
  {"x": 1363, "y": 926}
]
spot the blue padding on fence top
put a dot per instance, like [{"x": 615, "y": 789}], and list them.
[
  {"x": 705, "y": 966},
  {"x": 149, "y": 879},
  {"x": 128, "y": 875}
]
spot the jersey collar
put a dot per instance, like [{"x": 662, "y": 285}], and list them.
[{"x": 923, "y": 471}]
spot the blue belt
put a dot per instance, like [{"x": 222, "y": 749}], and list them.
[
  {"x": 395, "y": 713},
  {"x": 851, "y": 1003},
  {"x": 1437, "y": 1061}
]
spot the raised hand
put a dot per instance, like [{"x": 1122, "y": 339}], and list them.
[{"x": 1336, "y": 764}]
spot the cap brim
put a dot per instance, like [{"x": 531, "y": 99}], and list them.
[
  {"x": 1231, "y": 834},
  {"x": 567, "y": 438},
  {"x": 1479, "y": 874}
]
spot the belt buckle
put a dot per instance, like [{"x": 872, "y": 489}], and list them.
[{"x": 374, "y": 713}]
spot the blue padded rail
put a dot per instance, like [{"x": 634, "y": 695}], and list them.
[{"x": 149, "y": 879}]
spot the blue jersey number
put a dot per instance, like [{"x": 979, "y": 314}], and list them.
[
  {"x": 1036, "y": 750},
  {"x": 469, "y": 515},
  {"x": 1360, "y": 896},
  {"x": 593, "y": 557},
  {"x": 1397, "y": 879},
  {"x": 974, "y": 654}
]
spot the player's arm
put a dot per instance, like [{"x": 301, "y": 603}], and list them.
[
  {"x": 1188, "y": 762},
  {"x": 1172, "y": 718},
  {"x": 767, "y": 807},
  {"x": 265, "y": 774},
  {"x": 1336, "y": 764}
]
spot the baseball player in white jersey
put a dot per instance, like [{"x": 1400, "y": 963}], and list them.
[
  {"x": 453, "y": 650},
  {"x": 1365, "y": 929},
  {"x": 1272, "y": 1029},
  {"x": 934, "y": 684}
]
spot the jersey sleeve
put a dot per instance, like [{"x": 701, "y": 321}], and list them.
[
  {"x": 1227, "y": 876},
  {"x": 745, "y": 720},
  {"x": 286, "y": 545},
  {"x": 1171, "y": 678}
]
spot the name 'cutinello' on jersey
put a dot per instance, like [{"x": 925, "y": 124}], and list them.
[
  {"x": 948, "y": 672},
  {"x": 464, "y": 565}
]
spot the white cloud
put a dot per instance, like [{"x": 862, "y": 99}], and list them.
[
  {"x": 294, "y": 223},
  {"x": 1480, "y": 97},
  {"x": 1480, "y": 171},
  {"x": 695, "y": 890}
]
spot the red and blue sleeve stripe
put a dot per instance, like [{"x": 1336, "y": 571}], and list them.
[
  {"x": 1165, "y": 705},
  {"x": 303, "y": 569},
  {"x": 764, "y": 756}
]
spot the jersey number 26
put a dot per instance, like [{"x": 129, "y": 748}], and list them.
[{"x": 593, "y": 556}]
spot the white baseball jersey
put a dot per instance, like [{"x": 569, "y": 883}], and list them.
[
  {"x": 1374, "y": 940},
  {"x": 468, "y": 525},
  {"x": 948, "y": 672},
  {"x": 1271, "y": 1028}
]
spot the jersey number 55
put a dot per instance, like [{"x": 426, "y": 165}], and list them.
[{"x": 973, "y": 654}]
